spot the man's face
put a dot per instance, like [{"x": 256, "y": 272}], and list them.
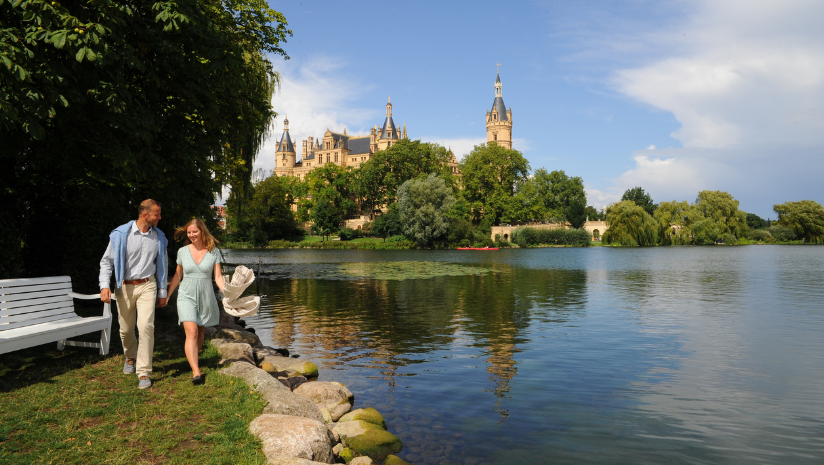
[{"x": 153, "y": 216}]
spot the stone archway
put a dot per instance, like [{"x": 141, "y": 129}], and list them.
[{"x": 596, "y": 235}]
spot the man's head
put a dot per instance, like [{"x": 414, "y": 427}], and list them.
[{"x": 149, "y": 211}]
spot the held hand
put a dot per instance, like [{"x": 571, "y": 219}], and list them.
[
  {"x": 106, "y": 295},
  {"x": 161, "y": 302}
]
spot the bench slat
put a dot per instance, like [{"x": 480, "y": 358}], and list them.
[
  {"x": 19, "y": 324},
  {"x": 68, "y": 311},
  {"x": 33, "y": 295},
  {"x": 28, "y": 303},
  {"x": 32, "y": 308},
  {"x": 31, "y": 281},
  {"x": 42, "y": 287}
]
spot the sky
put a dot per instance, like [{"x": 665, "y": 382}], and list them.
[{"x": 675, "y": 97}]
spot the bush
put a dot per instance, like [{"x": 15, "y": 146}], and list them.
[
  {"x": 526, "y": 237},
  {"x": 782, "y": 233},
  {"x": 397, "y": 238},
  {"x": 759, "y": 235},
  {"x": 729, "y": 239},
  {"x": 464, "y": 243},
  {"x": 347, "y": 234}
]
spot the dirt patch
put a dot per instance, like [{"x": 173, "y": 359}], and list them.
[
  {"x": 89, "y": 423},
  {"x": 187, "y": 445},
  {"x": 148, "y": 457},
  {"x": 127, "y": 425}
]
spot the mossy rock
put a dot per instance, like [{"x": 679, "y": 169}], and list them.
[
  {"x": 327, "y": 417},
  {"x": 268, "y": 368},
  {"x": 395, "y": 460},
  {"x": 347, "y": 455},
  {"x": 309, "y": 370},
  {"x": 368, "y": 439},
  {"x": 368, "y": 415}
]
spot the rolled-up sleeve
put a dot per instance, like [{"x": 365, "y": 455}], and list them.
[
  {"x": 106, "y": 266},
  {"x": 161, "y": 286}
]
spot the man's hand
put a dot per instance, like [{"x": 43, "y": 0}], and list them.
[
  {"x": 106, "y": 295},
  {"x": 161, "y": 302}
]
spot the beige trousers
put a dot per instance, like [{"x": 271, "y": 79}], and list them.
[{"x": 136, "y": 308}]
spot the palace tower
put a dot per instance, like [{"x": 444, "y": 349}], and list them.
[{"x": 499, "y": 120}]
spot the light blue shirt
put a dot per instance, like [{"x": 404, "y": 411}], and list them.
[{"x": 141, "y": 259}]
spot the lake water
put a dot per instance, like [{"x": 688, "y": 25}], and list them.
[{"x": 533, "y": 356}]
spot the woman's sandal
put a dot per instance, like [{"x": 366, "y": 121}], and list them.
[{"x": 200, "y": 379}]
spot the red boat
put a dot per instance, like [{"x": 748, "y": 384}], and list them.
[{"x": 477, "y": 248}]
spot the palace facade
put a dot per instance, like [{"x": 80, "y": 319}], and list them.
[{"x": 345, "y": 150}]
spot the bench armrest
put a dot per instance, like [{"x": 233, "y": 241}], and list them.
[{"x": 84, "y": 296}]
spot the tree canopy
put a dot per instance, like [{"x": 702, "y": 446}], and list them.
[
  {"x": 105, "y": 103},
  {"x": 805, "y": 218},
  {"x": 630, "y": 225},
  {"x": 490, "y": 174},
  {"x": 424, "y": 205},
  {"x": 641, "y": 198}
]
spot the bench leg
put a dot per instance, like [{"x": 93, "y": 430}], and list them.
[
  {"x": 105, "y": 336},
  {"x": 61, "y": 345}
]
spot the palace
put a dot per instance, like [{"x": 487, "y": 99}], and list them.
[{"x": 345, "y": 150}]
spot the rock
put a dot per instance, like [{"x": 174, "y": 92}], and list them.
[
  {"x": 285, "y": 402},
  {"x": 292, "y": 461},
  {"x": 367, "y": 439},
  {"x": 361, "y": 461},
  {"x": 289, "y": 436},
  {"x": 395, "y": 460},
  {"x": 339, "y": 410},
  {"x": 347, "y": 454},
  {"x": 235, "y": 352},
  {"x": 335, "y": 436},
  {"x": 269, "y": 368},
  {"x": 291, "y": 366},
  {"x": 237, "y": 335},
  {"x": 296, "y": 381},
  {"x": 262, "y": 351},
  {"x": 284, "y": 381},
  {"x": 255, "y": 378},
  {"x": 338, "y": 447},
  {"x": 328, "y": 395},
  {"x": 368, "y": 415},
  {"x": 327, "y": 417}
]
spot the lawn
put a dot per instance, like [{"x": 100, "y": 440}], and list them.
[{"x": 77, "y": 407}]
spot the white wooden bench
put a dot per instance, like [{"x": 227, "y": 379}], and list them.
[{"x": 41, "y": 310}]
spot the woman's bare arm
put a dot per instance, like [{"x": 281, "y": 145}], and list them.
[{"x": 175, "y": 280}]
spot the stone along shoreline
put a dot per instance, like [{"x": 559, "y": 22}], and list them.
[{"x": 305, "y": 421}]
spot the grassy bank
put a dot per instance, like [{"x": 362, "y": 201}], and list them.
[
  {"x": 316, "y": 242},
  {"x": 77, "y": 407}
]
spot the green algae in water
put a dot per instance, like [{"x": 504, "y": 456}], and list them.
[{"x": 399, "y": 271}]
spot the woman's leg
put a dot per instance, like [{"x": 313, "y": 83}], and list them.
[
  {"x": 201, "y": 335},
  {"x": 191, "y": 346}
]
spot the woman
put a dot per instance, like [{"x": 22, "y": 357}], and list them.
[{"x": 196, "y": 303}]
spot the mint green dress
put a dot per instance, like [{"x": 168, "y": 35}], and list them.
[{"x": 196, "y": 297}]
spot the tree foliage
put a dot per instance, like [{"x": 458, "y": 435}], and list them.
[
  {"x": 641, "y": 198},
  {"x": 105, "y": 103},
  {"x": 721, "y": 210},
  {"x": 389, "y": 223},
  {"x": 269, "y": 212},
  {"x": 630, "y": 225},
  {"x": 424, "y": 206},
  {"x": 490, "y": 174},
  {"x": 805, "y": 218}
]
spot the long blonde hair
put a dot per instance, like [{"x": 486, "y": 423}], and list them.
[{"x": 208, "y": 239}]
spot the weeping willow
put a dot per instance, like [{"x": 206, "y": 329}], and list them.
[{"x": 630, "y": 225}]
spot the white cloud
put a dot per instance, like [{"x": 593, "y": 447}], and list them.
[
  {"x": 651, "y": 147},
  {"x": 746, "y": 81},
  {"x": 317, "y": 95}
]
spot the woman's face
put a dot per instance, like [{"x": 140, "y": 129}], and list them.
[{"x": 193, "y": 233}]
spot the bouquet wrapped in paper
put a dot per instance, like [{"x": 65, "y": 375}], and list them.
[{"x": 233, "y": 303}]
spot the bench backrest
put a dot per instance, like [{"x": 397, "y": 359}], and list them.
[{"x": 26, "y": 302}]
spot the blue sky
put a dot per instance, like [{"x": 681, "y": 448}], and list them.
[{"x": 676, "y": 97}]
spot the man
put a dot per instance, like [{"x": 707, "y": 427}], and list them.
[{"x": 137, "y": 254}]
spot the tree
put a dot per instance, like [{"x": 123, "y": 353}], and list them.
[
  {"x": 389, "y": 223},
  {"x": 490, "y": 174},
  {"x": 576, "y": 213},
  {"x": 674, "y": 221},
  {"x": 721, "y": 209},
  {"x": 629, "y": 225},
  {"x": 556, "y": 192},
  {"x": 105, "y": 103},
  {"x": 805, "y": 218},
  {"x": 324, "y": 184},
  {"x": 755, "y": 222},
  {"x": 424, "y": 206},
  {"x": 595, "y": 215},
  {"x": 377, "y": 181},
  {"x": 270, "y": 212},
  {"x": 326, "y": 216},
  {"x": 641, "y": 198}
]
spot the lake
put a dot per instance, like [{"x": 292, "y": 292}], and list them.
[{"x": 699, "y": 355}]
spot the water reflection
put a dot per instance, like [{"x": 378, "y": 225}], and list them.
[{"x": 667, "y": 355}]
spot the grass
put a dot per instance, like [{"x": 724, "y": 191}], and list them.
[{"x": 77, "y": 407}]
